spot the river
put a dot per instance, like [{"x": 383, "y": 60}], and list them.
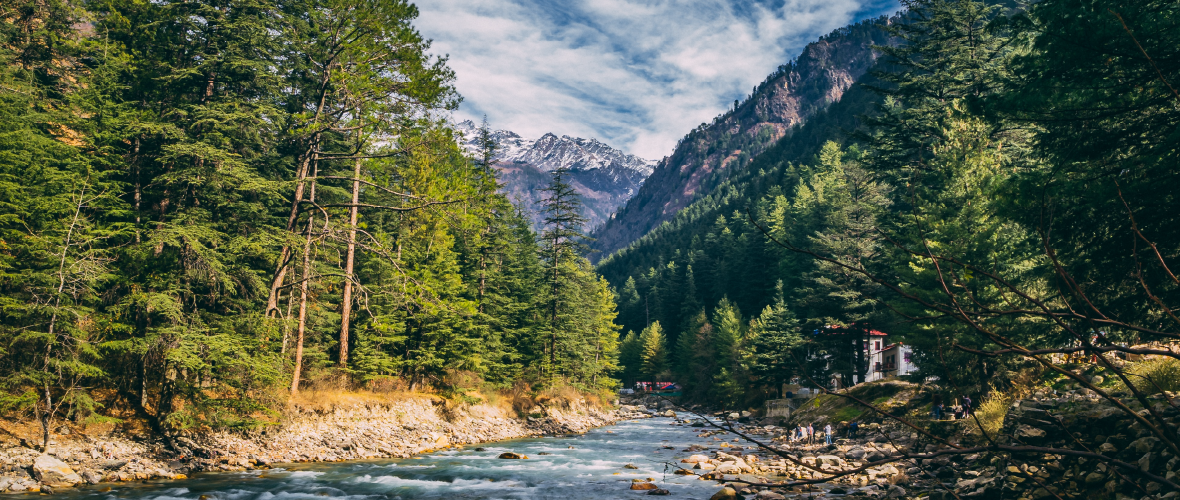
[{"x": 588, "y": 466}]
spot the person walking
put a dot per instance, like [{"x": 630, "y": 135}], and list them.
[
  {"x": 937, "y": 407},
  {"x": 852, "y": 429},
  {"x": 966, "y": 405},
  {"x": 828, "y": 433},
  {"x": 810, "y": 434}
]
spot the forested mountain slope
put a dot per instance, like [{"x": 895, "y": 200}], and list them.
[
  {"x": 712, "y": 152},
  {"x": 728, "y": 257}
]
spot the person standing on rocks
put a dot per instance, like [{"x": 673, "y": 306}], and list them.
[
  {"x": 852, "y": 429},
  {"x": 828, "y": 433},
  {"x": 966, "y": 405},
  {"x": 810, "y": 434},
  {"x": 937, "y": 407}
]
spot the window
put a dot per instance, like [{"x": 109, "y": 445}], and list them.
[{"x": 878, "y": 345}]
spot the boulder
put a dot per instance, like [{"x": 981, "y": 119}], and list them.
[
  {"x": 1144, "y": 444},
  {"x": 659, "y": 491},
  {"x": 1095, "y": 479},
  {"x": 704, "y": 466},
  {"x": 729, "y": 468},
  {"x": 113, "y": 464},
  {"x": 695, "y": 459},
  {"x": 769, "y": 495},
  {"x": 726, "y": 493},
  {"x": 895, "y": 491},
  {"x": 512, "y": 456},
  {"x": 856, "y": 453},
  {"x": 669, "y": 413},
  {"x": 91, "y": 477},
  {"x": 1107, "y": 448},
  {"x": 1029, "y": 432},
  {"x": 630, "y": 466},
  {"x": 643, "y": 486},
  {"x": 832, "y": 460},
  {"x": 54, "y": 472}
]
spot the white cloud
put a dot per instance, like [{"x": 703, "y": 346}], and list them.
[{"x": 637, "y": 74}]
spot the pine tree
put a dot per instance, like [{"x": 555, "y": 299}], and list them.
[
  {"x": 654, "y": 351},
  {"x": 560, "y": 246}
]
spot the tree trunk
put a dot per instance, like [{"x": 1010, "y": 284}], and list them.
[
  {"x": 348, "y": 265},
  {"x": 302, "y": 328},
  {"x": 272, "y": 300},
  {"x": 305, "y": 279}
]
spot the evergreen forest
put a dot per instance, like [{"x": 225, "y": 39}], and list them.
[
  {"x": 207, "y": 205},
  {"x": 999, "y": 188}
]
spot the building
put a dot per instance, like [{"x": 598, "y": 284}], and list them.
[
  {"x": 890, "y": 361},
  {"x": 881, "y": 358}
]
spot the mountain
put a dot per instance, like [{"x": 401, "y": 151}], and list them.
[
  {"x": 605, "y": 177},
  {"x": 709, "y": 154}
]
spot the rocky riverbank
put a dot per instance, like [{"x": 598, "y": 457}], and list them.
[
  {"x": 1069, "y": 421},
  {"x": 370, "y": 429}
]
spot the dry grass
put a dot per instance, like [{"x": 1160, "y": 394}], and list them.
[
  {"x": 1155, "y": 375},
  {"x": 990, "y": 414}
]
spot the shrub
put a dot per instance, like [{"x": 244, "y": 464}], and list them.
[{"x": 1155, "y": 375}]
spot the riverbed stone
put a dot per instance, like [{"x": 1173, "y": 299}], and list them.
[
  {"x": 508, "y": 455},
  {"x": 54, "y": 472},
  {"x": 91, "y": 477},
  {"x": 726, "y": 493},
  {"x": 643, "y": 486}
]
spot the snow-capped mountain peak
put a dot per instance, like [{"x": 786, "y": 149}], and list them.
[{"x": 551, "y": 152}]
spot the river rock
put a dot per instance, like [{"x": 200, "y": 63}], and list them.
[
  {"x": 659, "y": 491},
  {"x": 832, "y": 460},
  {"x": 91, "y": 477},
  {"x": 512, "y": 456},
  {"x": 1144, "y": 444},
  {"x": 643, "y": 486},
  {"x": 695, "y": 459},
  {"x": 729, "y": 468},
  {"x": 1029, "y": 432},
  {"x": 54, "y": 472},
  {"x": 726, "y": 493},
  {"x": 630, "y": 466},
  {"x": 856, "y": 453},
  {"x": 769, "y": 495}
]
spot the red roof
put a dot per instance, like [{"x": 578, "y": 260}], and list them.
[{"x": 874, "y": 333}]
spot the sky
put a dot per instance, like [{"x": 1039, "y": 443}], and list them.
[{"x": 636, "y": 74}]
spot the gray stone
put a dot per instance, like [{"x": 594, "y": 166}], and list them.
[
  {"x": 1029, "y": 432},
  {"x": 114, "y": 464},
  {"x": 1107, "y": 448},
  {"x": 91, "y": 477},
  {"x": 856, "y": 453},
  {"x": 54, "y": 472},
  {"x": 895, "y": 491},
  {"x": 1147, "y": 461},
  {"x": 1144, "y": 445}
]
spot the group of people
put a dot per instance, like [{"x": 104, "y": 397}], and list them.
[
  {"x": 806, "y": 435},
  {"x": 959, "y": 410}
]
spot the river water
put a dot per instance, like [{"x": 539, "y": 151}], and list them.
[{"x": 588, "y": 466}]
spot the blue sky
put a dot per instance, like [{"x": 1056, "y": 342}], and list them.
[{"x": 636, "y": 74}]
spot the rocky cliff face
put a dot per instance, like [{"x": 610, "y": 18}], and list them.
[
  {"x": 704, "y": 157},
  {"x": 605, "y": 177}
]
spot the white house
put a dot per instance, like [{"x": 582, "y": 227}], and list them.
[{"x": 890, "y": 360}]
